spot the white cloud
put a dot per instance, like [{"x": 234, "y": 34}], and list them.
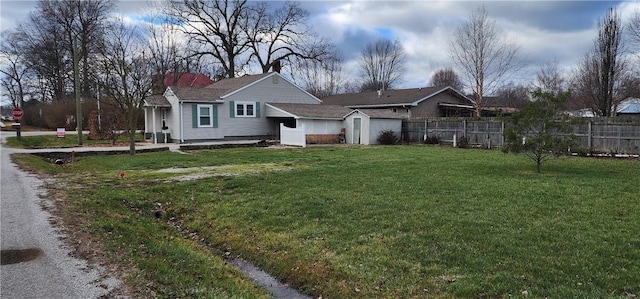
[{"x": 545, "y": 30}]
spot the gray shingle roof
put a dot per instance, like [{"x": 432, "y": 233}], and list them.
[
  {"x": 216, "y": 90},
  {"x": 197, "y": 94},
  {"x": 381, "y": 113},
  {"x": 385, "y": 98},
  {"x": 313, "y": 110},
  {"x": 157, "y": 100}
]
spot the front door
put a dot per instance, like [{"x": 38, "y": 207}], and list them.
[{"x": 357, "y": 128}]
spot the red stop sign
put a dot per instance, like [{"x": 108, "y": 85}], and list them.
[{"x": 17, "y": 113}]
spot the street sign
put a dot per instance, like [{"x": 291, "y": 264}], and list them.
[{"x": 16, "y": 113}]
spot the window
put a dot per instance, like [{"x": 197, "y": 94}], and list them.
[
  {"x": 246, "y": 109},
  {"x": 205, "y": 116}
]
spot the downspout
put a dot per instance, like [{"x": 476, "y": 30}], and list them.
[{"x": 181, "y": 123}]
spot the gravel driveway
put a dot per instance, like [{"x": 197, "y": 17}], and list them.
[{"x": 35, "y": 261}]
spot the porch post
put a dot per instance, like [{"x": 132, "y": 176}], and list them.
[{"x": 153, "y": 119}]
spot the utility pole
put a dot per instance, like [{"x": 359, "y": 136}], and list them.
[{"x": 76, "y": 89}]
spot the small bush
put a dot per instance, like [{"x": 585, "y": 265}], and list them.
[
  {"x": 462, "y": 142},
  {"x": 432, "y": 140},
  {"x": 387, "y": 137}
]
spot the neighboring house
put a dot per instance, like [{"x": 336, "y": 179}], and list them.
[
  {"x": 230, "y": 109},
  {"x": 629, "y": 107},
  {"x": 581, "y": 112},
  {"x": 492, "y": 106},
  {"x": 161, "y": 82},
  {"x": 409, "y": 103}
]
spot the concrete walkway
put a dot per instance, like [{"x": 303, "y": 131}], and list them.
[{"x": 140, "y": 147}]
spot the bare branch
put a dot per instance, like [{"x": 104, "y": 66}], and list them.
[
  {"x": 382, "y": 64},
  {"x": 483, "y": 55}
]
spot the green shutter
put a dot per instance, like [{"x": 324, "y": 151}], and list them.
[
  {"x": 232, "y": 109},
  {"x": 214, "y": 116},
  {"x": 257, "y": 109},
  {"x": 194, "y": 115}
]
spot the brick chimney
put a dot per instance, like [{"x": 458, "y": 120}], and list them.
[{"x": 275, "y": 66}]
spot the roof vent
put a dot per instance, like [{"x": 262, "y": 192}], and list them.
[{"x": 379, "y": 92}]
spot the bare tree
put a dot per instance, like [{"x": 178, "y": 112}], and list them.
[
  {"x": 169, "y": 53},
  {"x": 382, "y": 65},
  {"x": 47, "y": 55},
  {"x": 483, "y": 55},
  {"x": 549, "y": 79},
  {"x": 14, "y": 68},
  {"x": 446, "y": 77},
  {"x": 633, "y": 28},
  {"x": 283, "y": 34},
  {"x": 600, "y": 74},
  {"x": 321, "y": 79},
  {"x": 47, "y": 38},
  {"x": 81, "y": 20},
  {"x": 215, "y": 28},
  {"x": 126, "y": 73},
  {"x": 514, "y": 95}
]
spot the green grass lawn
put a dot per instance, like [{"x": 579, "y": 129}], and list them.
[
  {"x": 369, "y": 222},
  {"x": 53, "y": 141}
]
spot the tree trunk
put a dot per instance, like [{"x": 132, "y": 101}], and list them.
[{"x": 131, "y": 124}]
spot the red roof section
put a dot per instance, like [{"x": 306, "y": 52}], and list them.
[{"x": 187, "y": 80}]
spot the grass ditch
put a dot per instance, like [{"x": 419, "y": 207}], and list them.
[
  {"x": 397, "y": 221},
  {"x": 70, "y": 140}
]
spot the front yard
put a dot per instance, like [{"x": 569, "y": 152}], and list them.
[{"x": 369, "y": 222}]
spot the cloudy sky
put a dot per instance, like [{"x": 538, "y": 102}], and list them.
[{"x": 559, "y": 31}]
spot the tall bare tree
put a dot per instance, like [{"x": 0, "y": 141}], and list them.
[
  {"x": 549, "y": 79},
  {"x": 320, "y": 79},
  {"x": 215, "y": 28},
  {"x": 169, "y": 53},
  {"x": 514, "y": 95},
  {"x": 483, "y": 55},
  {"x": 600, "y": 74},
  {"x": 14, "y": 69},
  {"x": 47, "y": 38},
  {"x": 47, "y": 55},
  {"x": 382, "y": 64},
  {"x": 283, "y": 34},
  {"x": 126, "y": 73},
  {"x": 83, "y": 21},
  {"x": 633, "y": 28},
  {"x": 446, "y": 77}
]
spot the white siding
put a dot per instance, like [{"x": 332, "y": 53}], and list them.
[
  {"x": 191, "y": 133},
  {"x": 371, "y": 127},
  {"x": 173, "y": 116},
  {"x": 377, "y": 125},
  {"x": 315, "y": 126},
  {"x": 265, "y": 91},
  {"x": 364, "y": 130},
  {"x": 269, "y": 90}
]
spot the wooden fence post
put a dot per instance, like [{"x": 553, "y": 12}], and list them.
[
  {"x": 502, "y": 134},
  {"x": 464, "y": 128},
  {"x": 590, "y": 136}
]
